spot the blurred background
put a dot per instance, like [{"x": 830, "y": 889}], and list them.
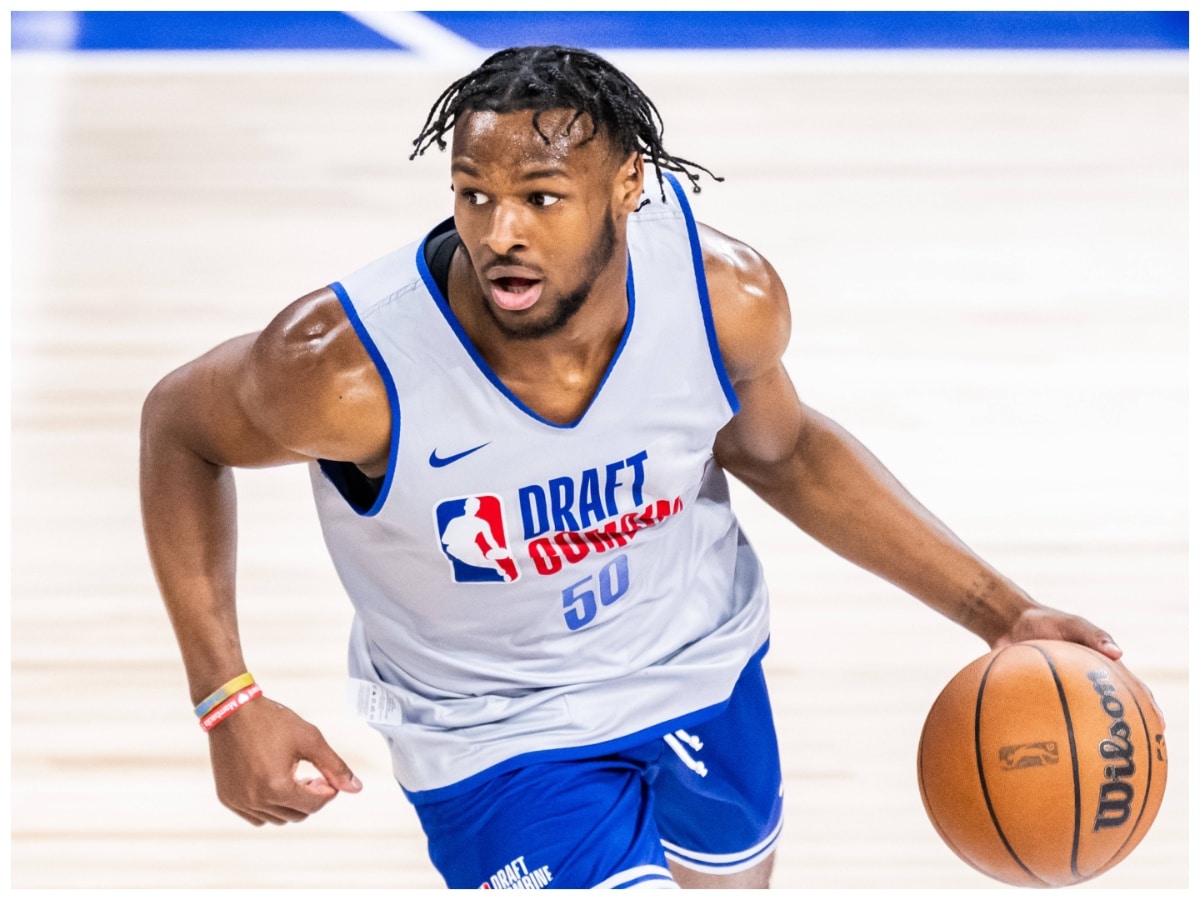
[{"x": 981, "y": 218}]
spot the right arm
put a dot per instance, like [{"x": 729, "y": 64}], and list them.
[{"x": 302, "y": 388}]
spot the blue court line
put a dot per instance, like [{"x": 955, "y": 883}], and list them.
[
  {"x": 825, "y": 30},
  {"x": 197, "y": 31},
  {"x": 283, "y": 31}
]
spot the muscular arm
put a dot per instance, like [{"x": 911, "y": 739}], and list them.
[
  {"x": 303, "y": 387},
  {"x": 822, "y": 479}
]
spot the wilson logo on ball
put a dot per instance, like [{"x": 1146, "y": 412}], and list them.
[{"x": 1116, "y": 795}]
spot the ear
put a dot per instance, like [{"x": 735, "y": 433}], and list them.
[{"x": 628, "y": 185}]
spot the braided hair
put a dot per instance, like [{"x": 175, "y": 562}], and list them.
[{"x": 553, "y": 77}]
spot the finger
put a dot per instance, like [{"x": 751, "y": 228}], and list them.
[
  {"x": 256, "y": 820},
  {"x": 315, "y": 789},
  {"x": 1102, "y": 642},
  {"x": 292, "y": 804},
  {"x": 1162, "y": 720},
  {"x": 1079, "y": 630},
  {"x": 281, "y": 815},
  {"x": 332, "y": 767},
  {"x": 245, "y": 810},
  {"x": 300, "y": 799},
  {"x": 270, "y": 818},
  {"x": 318, "y": 785}
]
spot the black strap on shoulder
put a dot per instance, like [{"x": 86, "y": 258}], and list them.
[{"x": 439, "y": 250}]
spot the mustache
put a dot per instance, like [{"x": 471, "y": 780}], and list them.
[
  {"x": 510, "y": 261},
  {"x": 507, "y": 260}
]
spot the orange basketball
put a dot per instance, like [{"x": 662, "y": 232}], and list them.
[{"x": 1043, "y": 763}]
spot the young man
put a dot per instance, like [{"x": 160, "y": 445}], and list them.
[{"x": 518, "y": 430}]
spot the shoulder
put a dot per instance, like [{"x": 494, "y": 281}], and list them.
[
  {"x": 749, "y": 302},
  {"x": 312, "y": 384},
  {"x": 309, "y": 340}
]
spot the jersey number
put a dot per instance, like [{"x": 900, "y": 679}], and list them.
[{"x": 579, "y": 600}]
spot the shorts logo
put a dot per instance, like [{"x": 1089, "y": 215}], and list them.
[
  {"x": 676, "y": 742},
  {"x": 472, "y": 534},
  {"x": 518, "y": 876}
]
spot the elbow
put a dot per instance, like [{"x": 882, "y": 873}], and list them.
[
  {"x": 155, "y": 423},
  {"x": 157, "y": 407},
  {"x": 153, "y": 408},
  {"x": 773, "y": 472},
  {"x": 164, "y": 416}
]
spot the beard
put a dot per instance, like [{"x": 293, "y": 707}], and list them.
[{"x": 567, "y": 305}]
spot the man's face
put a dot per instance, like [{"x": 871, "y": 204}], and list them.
[{"x": 539, "y": 221}]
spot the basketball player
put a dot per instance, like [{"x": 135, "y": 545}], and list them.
[{"x": 562, "y": 373}]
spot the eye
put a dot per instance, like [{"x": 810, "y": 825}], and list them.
[
  {"x": 543, "y": 199},
  {"x": 473, "y": 197}
]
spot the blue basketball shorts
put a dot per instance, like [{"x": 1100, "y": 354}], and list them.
[{"x": 709, "y": 798}]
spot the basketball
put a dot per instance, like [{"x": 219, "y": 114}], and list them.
[{"x": 1042, "y": 764}]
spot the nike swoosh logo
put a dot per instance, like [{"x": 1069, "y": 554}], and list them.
[{"x": 438, "y": 461}]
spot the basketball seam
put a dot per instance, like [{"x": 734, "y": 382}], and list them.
[
  {"x": 1066, "y": 711},
  {"x": 987, "y": 798}
]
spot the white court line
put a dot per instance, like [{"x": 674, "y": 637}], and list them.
[
  {"x": 423, "y": 36},
  {"x": 1075, "y": 62}
]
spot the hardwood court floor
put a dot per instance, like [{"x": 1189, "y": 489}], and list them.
[{"x": 988, "y": 268}]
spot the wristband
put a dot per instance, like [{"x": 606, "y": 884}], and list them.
[
  {"x": 230, "y": 706},
  {"x": 228, "y": 688}
]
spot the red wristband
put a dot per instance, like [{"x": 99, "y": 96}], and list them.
[{"x": 230, "y": 706}]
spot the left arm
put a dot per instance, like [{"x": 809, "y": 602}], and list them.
[{"x": 828, "y": 484}]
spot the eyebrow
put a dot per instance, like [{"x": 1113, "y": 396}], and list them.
[
  {"x": 538, "y": 174},
  {"x": 532, "y": 175}
]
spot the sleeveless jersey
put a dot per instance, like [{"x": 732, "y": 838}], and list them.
[{"x": 524, "y": 587}]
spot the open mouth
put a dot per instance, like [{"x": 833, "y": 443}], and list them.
[{"x": 514, "y": 293}]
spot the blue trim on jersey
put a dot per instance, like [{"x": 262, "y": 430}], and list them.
[
  {"x": 626, "y": 885},
  {"x": 705, "y": 304},
  {"x": 331, "y": 467},
  {"x": 561, "y": 754},
  {"x": 444, "y": 306}
]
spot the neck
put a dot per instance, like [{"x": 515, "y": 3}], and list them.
[{"x": 556, "y": 375}]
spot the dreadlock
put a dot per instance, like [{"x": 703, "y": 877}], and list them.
[{"x": 553, "y": 77}]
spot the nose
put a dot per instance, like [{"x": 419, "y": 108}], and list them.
[{"x": 506, "y": 229}]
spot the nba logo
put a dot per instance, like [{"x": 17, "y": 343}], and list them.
[{"x": 471, "y": 533}]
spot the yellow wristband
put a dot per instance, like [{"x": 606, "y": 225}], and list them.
[{"x": 230, "y": 687}]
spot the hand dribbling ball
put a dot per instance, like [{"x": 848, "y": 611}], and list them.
[{"x": 1042, "y": 763}]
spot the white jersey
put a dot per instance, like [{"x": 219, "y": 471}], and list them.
[{"x": 524, "y": 587}]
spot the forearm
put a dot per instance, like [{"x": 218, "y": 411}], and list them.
[
  {"x": 827, "y": 483},
  {"x": 839, "y": 493},
  {"x": 196, "y": 428},
  {"x": 189, "y": 517}
]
